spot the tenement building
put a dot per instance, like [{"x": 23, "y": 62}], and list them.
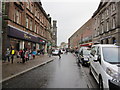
[
  {"x": 82, "y": 35},
  {"x": 25, "y": 26},
  {"x": 107, "y": 22}
]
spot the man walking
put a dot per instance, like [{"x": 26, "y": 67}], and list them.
[
  {"x": 12, "y": 54},
  {"x": 7, "y": 55},
  {"x": 59, "y": 53},
  {"x": 50, "y": 52}
]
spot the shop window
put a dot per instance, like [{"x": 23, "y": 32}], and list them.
[
  {"x": 107, "y": 42},
  {"x": 101, "y": 41},
  {"x": 113, "y": 40}
]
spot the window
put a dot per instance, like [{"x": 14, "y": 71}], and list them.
[
  {"x": 107, "y": 26},
  {"x": 28, "y": 5},
  {"x": 31, "y": 8},
  {"x": 35, "y": 28},
  {"x": 17, "y": 16},
  {"x": 113, "y": 23},
  {"x": 102, "y": 16},
  {"x": 36, "y": 12},
  {"x": 113, "y": 40},
  {"x": 102, "y": 28},
  {"x": 38, "y": 29},
  {"x": 107, "y": 12},
  {"x": 107, "y": 41},
  {"x": 113, "y": 7},
  {"x": 27, "y": 22},
  {"x": 31, "y": 25}
]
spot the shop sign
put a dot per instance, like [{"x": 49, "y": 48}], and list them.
[
  {"x": 13, "y": 32},
  {"x": 26, "y": 36}
]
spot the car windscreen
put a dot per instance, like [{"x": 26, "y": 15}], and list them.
[{"x": 110, "y": 54}]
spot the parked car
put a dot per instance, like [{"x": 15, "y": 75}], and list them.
[
  {"x": 84, "y": 53},
  {"x": 55, "y": 52},
  {"x": 105, "y": 65}
]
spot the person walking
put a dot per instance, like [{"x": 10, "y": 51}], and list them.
[
  {"x": 12, "y": 54},
  {"x": 23, "y": 55},
  {"x": 33, "y": 54},
  {"x": 26, "y": 55},
  {"x": 49, "y": 52},
  {"x": 59, "y": 54},
  {"x": 7, "y": 55}
]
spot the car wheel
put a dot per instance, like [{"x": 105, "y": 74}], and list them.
[{"x": 100, "y": 83}]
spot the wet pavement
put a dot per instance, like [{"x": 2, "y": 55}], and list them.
[{"x": 61, "y": 73}]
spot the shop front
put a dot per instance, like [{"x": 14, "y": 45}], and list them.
[{"x": 21, "y": 40}]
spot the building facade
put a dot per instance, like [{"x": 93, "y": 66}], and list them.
[
  {"x": 25, "y": 26},
  {"x": 82, "y": 35},
  {"x": 107, "y": 22}
]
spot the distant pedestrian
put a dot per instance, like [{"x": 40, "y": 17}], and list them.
[
  {"x": 59, "y": 54},
  {"x": 23, "y": 55},
  {"x": 50, "y": 52},
  {"x": 12, "y": 55},
  {"x": 26, "y": 55},
  {"x": 33, "y": 54},
  {"x": 7, "y": 55}
]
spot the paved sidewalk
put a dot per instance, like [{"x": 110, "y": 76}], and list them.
[{"x": 11, "y": 70}]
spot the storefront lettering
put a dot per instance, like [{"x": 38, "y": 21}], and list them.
[{"x": 26, "y": 36}]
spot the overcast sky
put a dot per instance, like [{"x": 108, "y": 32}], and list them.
[{"x": 70, "y": 15}]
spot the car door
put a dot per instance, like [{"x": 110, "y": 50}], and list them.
[
  {"x": 94, "y": 64},
  {"x": 98, "y": 63}
]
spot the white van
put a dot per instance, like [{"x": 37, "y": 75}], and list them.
[{"x": 105, "y": 65}]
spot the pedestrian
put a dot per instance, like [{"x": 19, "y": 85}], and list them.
[
  {"x": 59, "y": 54},
  {"x": 26, "y": 55},
  {"x": 50, "y": 52},
  {"x": 20, "y": 53},
  {"x": 7, "y": 55},
  {"x": 33, "y": 54},
  {"x": 12, "y": 54},
  {"x": 23, "y": 55}
]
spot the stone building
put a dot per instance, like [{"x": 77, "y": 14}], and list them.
[
  {"x": 82, "y": 35},
  {"x": 107, "y": 22},
  {"x": 25, "y": 26}
]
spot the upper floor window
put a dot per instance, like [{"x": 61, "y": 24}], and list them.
[
  {"x": 17, "y": 16},
  {"x": 102, "y": 28},
  {"x": 28, "y": 5},
  {"x": 31, "y": 25},
  {"x": 35, "y": 28},
  {"x": 113, "y": 23},
  {"x": 113, "y": 6},
  {"x": 36, "y": 12},
  {"x": 27, "y": 22},
  {"x": 102, "y": 16},
  {"x": 107, "y": 12},
  {"x": 107, "y": 26}
]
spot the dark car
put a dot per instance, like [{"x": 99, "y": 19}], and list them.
[{"x": 84, "y": 53}]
